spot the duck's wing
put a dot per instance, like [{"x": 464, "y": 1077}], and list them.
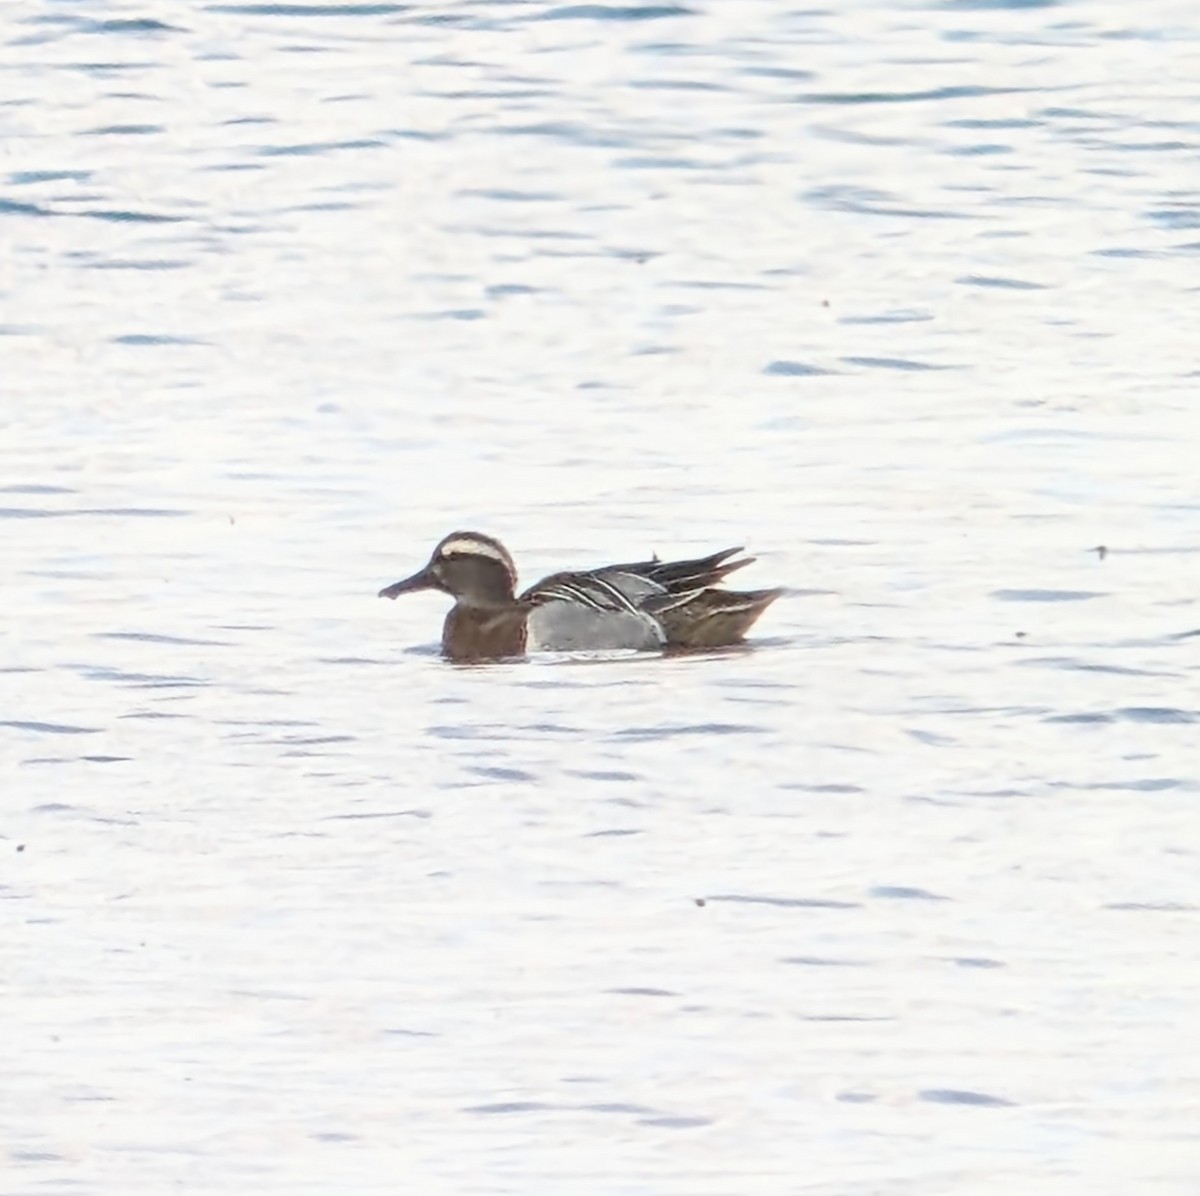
[
  {"x": 613, "y": 590},
  {"x": 707, "y": 618},
  {"x": 590, "y": 611},
  {"x": 614, "y": 586},
  {"x": 678, "y": 577}
]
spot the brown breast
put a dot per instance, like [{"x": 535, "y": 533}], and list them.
[{"x": 472, "y": 633}]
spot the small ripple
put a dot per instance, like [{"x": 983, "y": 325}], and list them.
[
  {"x": 137, "y": 680},
  {"x": 1072, "y": 663},
  {"x": 905, "y": 893},
  {"x": 831, "y": 788},
  {"x": 845, "y": 1017},
  {"x": 305, "y": 149},
  {"x": 817, "y": 961},
  {"x": 795, "y": 369},
  {"x": 775, "y": 72},
  {"x": 129, "y": 512},
  {"x": 29, "y": 513},
  {"x": 122, "y": 130},
  {"x": 895, "y": 363},
  {"x": 372, "y": 814},
  {"x": 618, "y": 1107},
  {"x": 1136, "y": 785},
  {"x": 23, "y": 178},
  {"x": 154, "y": 338},
  {"x": 311, "y": 10},
  {"x": 930, "y": 738},
  {"x": 1176, "y": 218},
  {"x": 692, "y": 85},
  {"x": 981, "y": 150},
  {"x": 1009, "y": 284},
  {"x": 153, "y": 263},
  {"x": 487, "y": 731},
  {"x": 990, "y": 5},
  {"x": 602, "y": 774},
  {"x": 267, "y": 722},
  {"x": 866, "y": 201},
  {"x": 785, "y": 902},
  {"x": 1047, "y": 595},
  {"x": 660, "y": 162},
  {"x": 453, "y": 313},
  {"x": 645, "y": 734},
  {"x": 503, "y": 290},
  {"x": 614, "y": 12},
  {"x": 1126, "y": 253},
  {"x": 1156, "y": 907},
  {"x": 905, "y": 97},
  {"x": 890, "y": 317},
  {"x": 510, "y": 195},
  {"x": 48, "y": 728},
  {"x": 962, "y": 1096},
  {"x": 80, "y": 812},
  {"x": 146, "y": 637},
  {"x": 512, "y": 1106},
  {"x": 36, "y": 488},
  {"x": 717, "y": 284},
  {"x": 1156, "y": 714},
  {"x": 496, "y": 773},
  {"x": 15, "y": 207},
  {"x": 571, "y": 132},
  {"x": 128, "y": 25},
  {"x": 127, "y": 216},
  {"x": 498, "y": 731},
  {"x": 312, "y": 740}
]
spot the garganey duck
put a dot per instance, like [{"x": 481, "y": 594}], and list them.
[{"x": 648, "y": 605}]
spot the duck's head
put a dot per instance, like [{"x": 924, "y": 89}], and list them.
[{"x": 475, "y": 569}]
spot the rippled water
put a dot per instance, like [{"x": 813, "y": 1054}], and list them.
[{"x": 904, "y": 899}]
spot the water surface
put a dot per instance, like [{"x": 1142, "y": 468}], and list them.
[{"x": 901, "y": 900}]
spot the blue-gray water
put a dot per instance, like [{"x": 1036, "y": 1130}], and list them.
[{"x": 904, "y": 900}]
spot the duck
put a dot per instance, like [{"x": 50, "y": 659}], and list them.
[{"x": 642, "y": 606}]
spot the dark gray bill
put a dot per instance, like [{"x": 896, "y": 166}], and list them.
[{"x": 423, "y": 580}]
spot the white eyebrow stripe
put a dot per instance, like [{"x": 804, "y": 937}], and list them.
[{"x": 468, "y": 546}]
